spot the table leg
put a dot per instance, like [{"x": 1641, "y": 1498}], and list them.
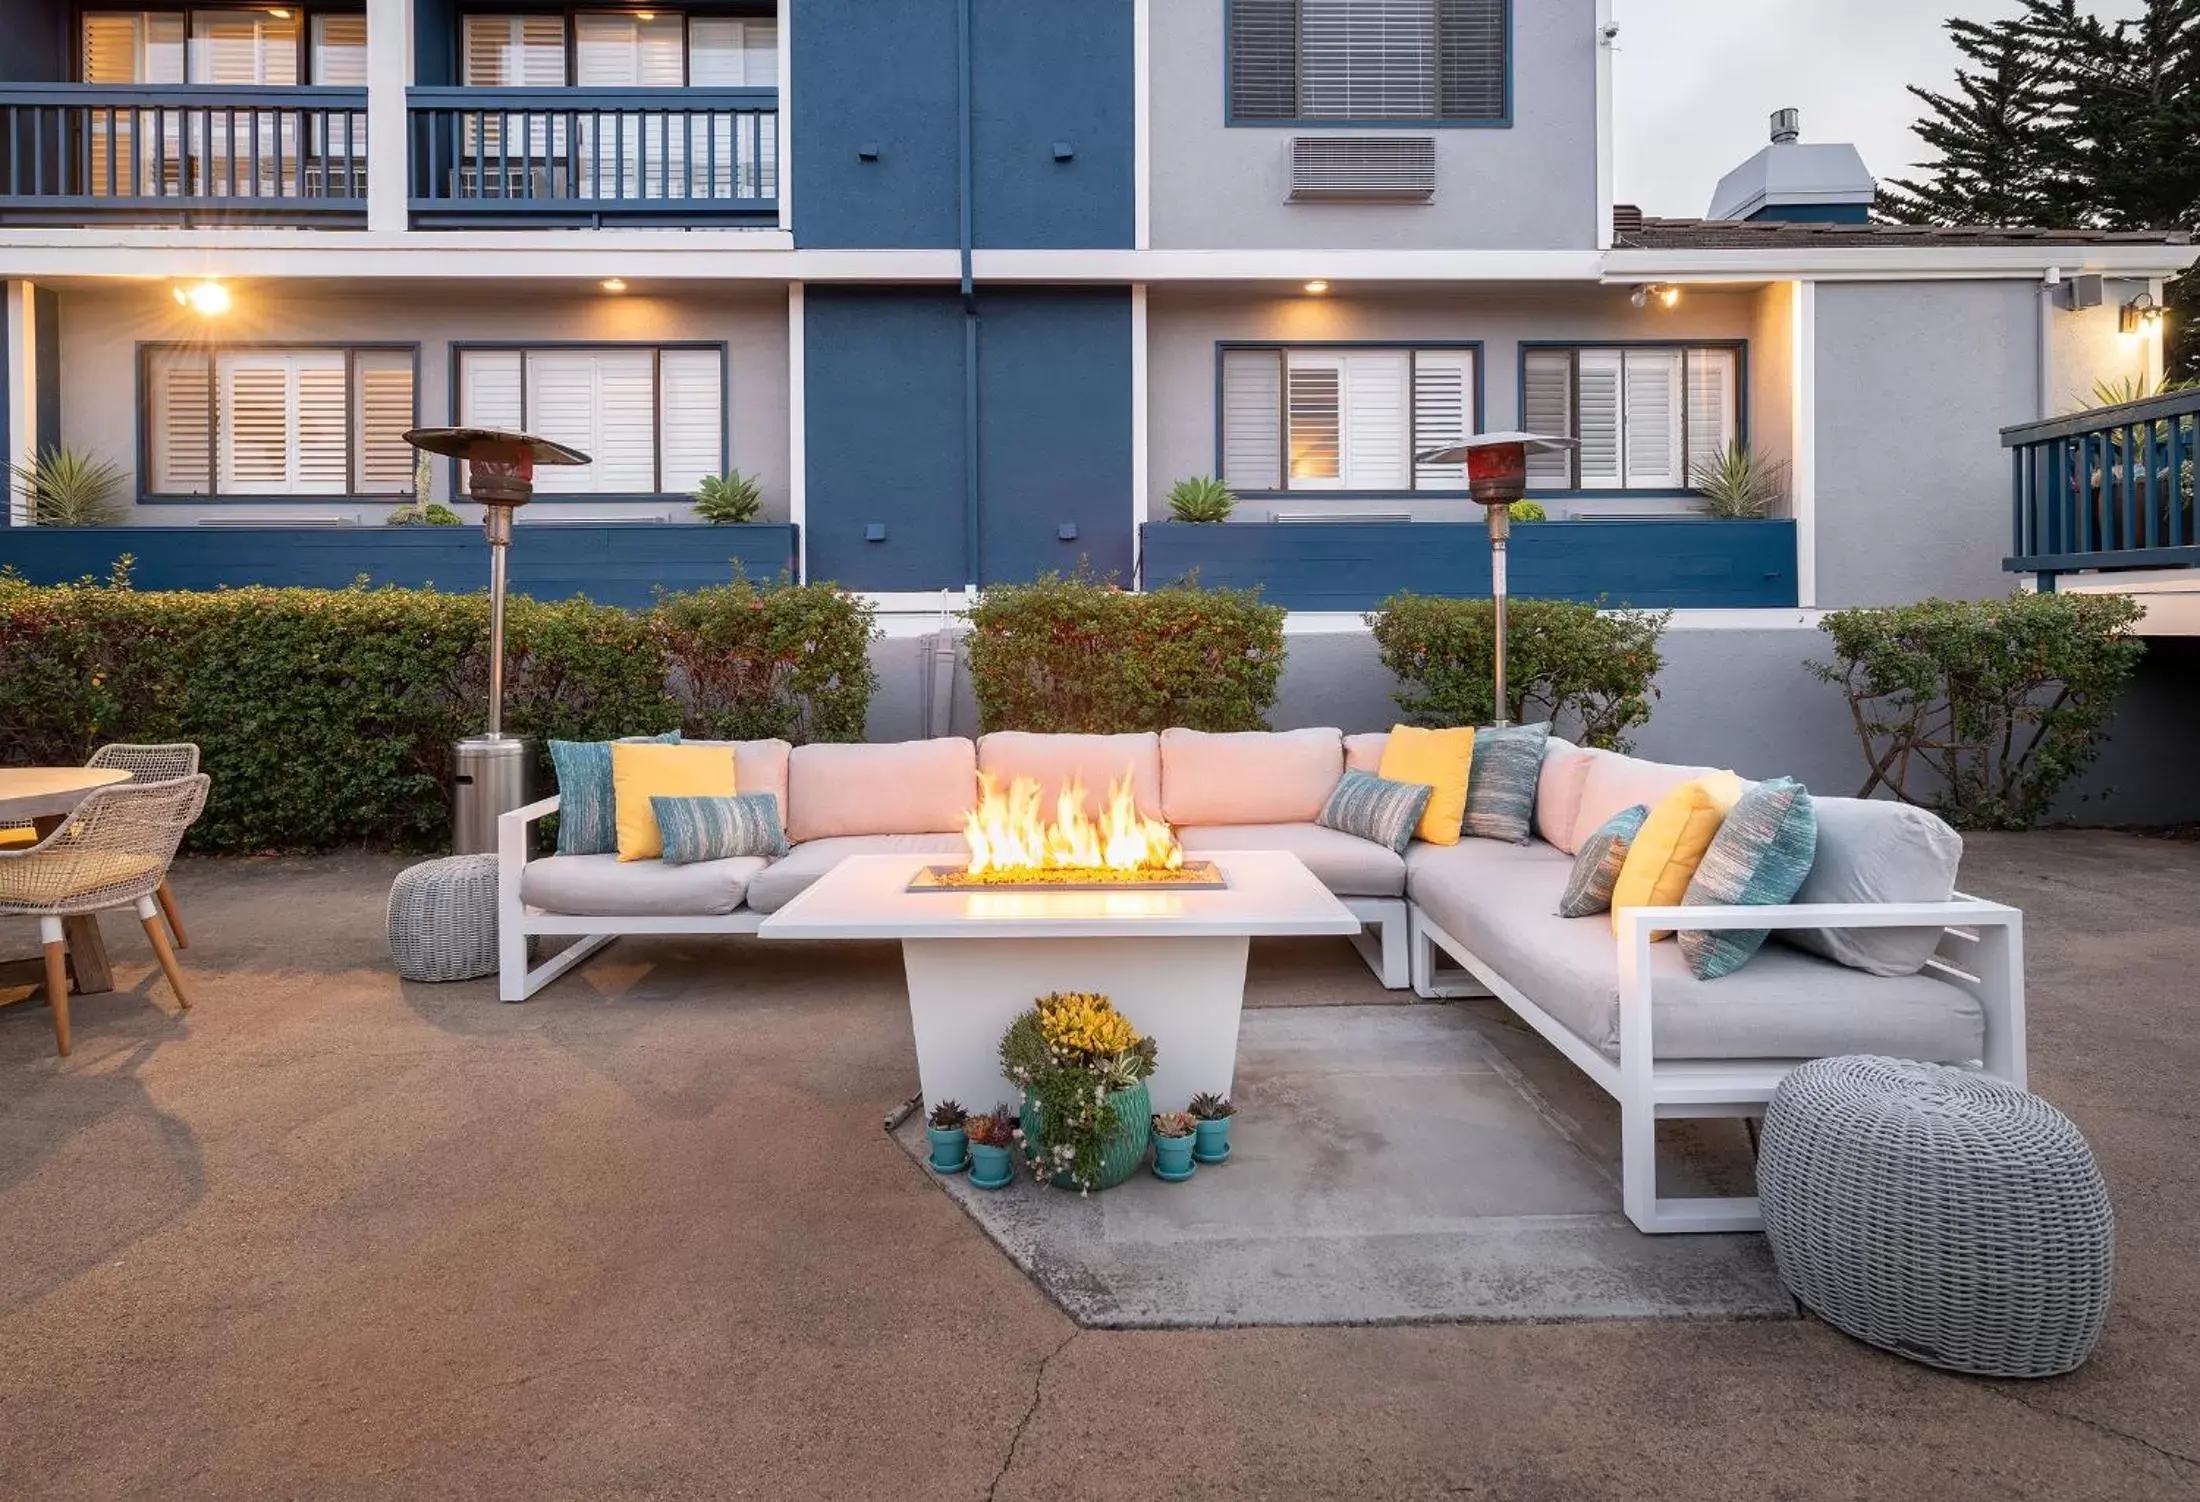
[{"x": 87, "y": 950}]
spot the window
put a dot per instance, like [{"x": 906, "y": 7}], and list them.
[
  {"x": 1645, "y": 418},
  {"x": 629, "y": 50},
  {"x": 222, "y": 48},
  {"x": 1335, "y": 418},
  {"x": 651, "y": 420},
  {"x": 1369, "y": 60},
  {"x": 268, "y": 421}
]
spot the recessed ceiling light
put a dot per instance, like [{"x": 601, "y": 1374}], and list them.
[
  {"x": 613, "y": 284},
  {"x": 1317, "y": 287}
]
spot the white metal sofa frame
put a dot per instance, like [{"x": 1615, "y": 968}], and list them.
[
  {"x": 1981, "y": 950},
  {"x": 1385, "y": 950}
]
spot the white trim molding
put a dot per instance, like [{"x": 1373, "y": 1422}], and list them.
[
  {"x": 1141, "y": 457},
  {"x": 1895, "y": 261},
  {"x": 22, "y": 390},
  {"x": 784, "y": 129},
  {"x": 1803, "y": 428},
  {"x": 798, "y": 431},
  {"x": 1606, "y": 33},
  {"x": 1142, "y": 123},
  {"x": 389, "y": 74}
]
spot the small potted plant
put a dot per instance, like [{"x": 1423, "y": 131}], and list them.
[
  {"x": 992, "y": 1144},
  {"x": 1172, "y": 1146},
  {"x": 1083, "y": 1070},
  {"x": 950, "y": 1142},
  {"x": 1211, "y": 1117}
]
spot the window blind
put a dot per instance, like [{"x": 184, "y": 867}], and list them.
[
  {"x": 1645, "y": 418},
  {"x": 1368, "y": 59},
  {"x": 629, "y": 51},
  {"x": 1344, "y": 419},
  {"x": 1712, "y": 402},
  {"x": 133, "y": 46},
  {"x": 386, "y": 410},
  {"x": 282, "y": 422},
  {"x": 652, "y": 421},
  {"x": 340, "y": 51},
  {"x": 514, "y": 52},
  {"x": 243, "y": 47},
  {"x": 729, "y": 53},
  {"x": 691, "y": 427},
  {"x": 1547, "y": 406},
  {"x": 1252, "y": 423},
  {"x": 180, "y": 423},
  {"x": 1443, "y": 413}
]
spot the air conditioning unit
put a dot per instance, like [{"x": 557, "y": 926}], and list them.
[{"x": 1366, "y": 169}]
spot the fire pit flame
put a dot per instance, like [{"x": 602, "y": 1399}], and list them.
[{"x": 1011, "y": 841}]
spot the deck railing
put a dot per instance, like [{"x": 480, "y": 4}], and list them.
[
  {"x": 82, "y": 153},
  {"x": 585, "y": 157},
  {"x": 2110, "y": 488}
]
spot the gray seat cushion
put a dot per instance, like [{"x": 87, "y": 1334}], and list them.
[
  {"x": 1346, "y": 864},
  {"x": 1501, "y": 902},
  {"x": 780, "y": 882},
  {"x": 1873, "y": 850},
  {"x": 602, "y": 886}
]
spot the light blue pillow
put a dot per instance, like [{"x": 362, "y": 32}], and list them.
[
  {"x": 1759, "y": 858},
  {"x": 1376, "y": 809},
  {"x": 1501, "y": 781},
  {"x": 716, "y": 829},
  {"x": 1597, "y": 862},
  {"x": 587, "y": 818}
]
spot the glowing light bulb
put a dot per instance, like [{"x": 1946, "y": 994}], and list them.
[
  {"x": 207, "y": 299},
  {"x": 1317, "y": 287},
  {"x": 1670, "y": 296}
]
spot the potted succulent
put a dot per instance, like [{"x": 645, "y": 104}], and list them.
[
  {"x": 1083, "y": 1070},
  {"x": 1211, "y": 1115},
  {"x": 1172, "y": 1146},
  {"x": 950, "y": 1142},
  {"x": 992, "y": 1140}
]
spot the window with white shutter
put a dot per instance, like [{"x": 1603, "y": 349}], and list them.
[
  {"x": 1369, "y": 60},
  {"x": 1646, "y": 417},
  {"x": 123, "y": 46},
  {"x": 1337, "y": 418},
  {"x": 513, "y": 52},
  {"x": 278, "y": 421},
  {"x": 238, "y": 48},
  {"x": 652, "y": 420},
  {"x": 340, "y": 51}
]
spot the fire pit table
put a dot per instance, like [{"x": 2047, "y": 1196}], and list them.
[{"x": 1172, "y": 959}]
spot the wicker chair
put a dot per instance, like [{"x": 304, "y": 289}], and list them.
[
  {"x": 158, "y": 763},
  {"x": 112, "y": 852}
]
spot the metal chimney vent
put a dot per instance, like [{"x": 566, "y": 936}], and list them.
[
  {"x": 1382, "y": 169},
  {"x": 1787, "y": 127}
]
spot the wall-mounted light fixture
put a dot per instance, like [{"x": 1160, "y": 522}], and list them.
[
  {"x": 1664, "y": 296},
  {"x": 208, "y": 299},
  {"x": 613, "y": 284},
  {"x": 1316, "y": 287},
  {"x": 2142, "y": 315}
]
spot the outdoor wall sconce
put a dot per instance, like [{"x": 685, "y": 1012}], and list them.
[
  {"x": 1665, "y": 297},
  {"x": 2142, "y": 315},
  {"x": 208, "y": 299}
]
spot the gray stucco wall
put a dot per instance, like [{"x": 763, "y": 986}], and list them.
[
  {"x": 101, "y": 329},
  {"x": 1531, "y": 185},
  {"x": 1184, "y": 326}
]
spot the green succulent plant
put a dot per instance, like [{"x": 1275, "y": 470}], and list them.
[
  {"x": 948, "y": 1115},
  {"x": 1738, "y": 482},
  {"x": 1207, "y": 1106},
  {"x": 428, "y": 514},
  {"x": 66, "y": 487},
  {"x": 1201, "y": 498},
  {"x": 1173, "y": 1124},
  {"x": 729, "y": 499},
  {"x": 1528, "y": 511}
]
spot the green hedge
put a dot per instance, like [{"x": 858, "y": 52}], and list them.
[
  {"x": 325, "y": 717},
  {"x": 1077, "y": 655},
  {"x": 1594, "y": 671}
]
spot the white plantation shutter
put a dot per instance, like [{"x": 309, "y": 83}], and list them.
[
  {"x": 1711, "y": 385},
  {"x": 628, "y": 52},
  {"x": 243, "y": 47},
  {"x": 385, "y": 412},
  {"x": 284, "y": 423},
  {"x": 725, "y": 53},
  {"x": 1547, "y": 407},
  {"x": 1597, "y": 418},
  {"x": 1377, "y": 425},
  {"x": 180, "y": 422},
  {"x": 514, "y": 52},
  {"x": 692, "y": 425},
  {"x": 490, "y": 389},
  {"x": 1252, "y": 419},
  {"x": 1367, "y": 59},
  {"x": 133, "y": 47},
  {"x": 1653, "y": 418},
  {"x": 602, "y": 402},
  {"x": 1443, "y": 413},
  {"x": 340, "y": 51},
  {"x": 1314, "y": 387}
]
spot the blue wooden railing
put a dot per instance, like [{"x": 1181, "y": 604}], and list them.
[
  {"x": 2110, "y": 488},
  {"x": 80, "y": 153},
  {"x": 588, "y": 157}
]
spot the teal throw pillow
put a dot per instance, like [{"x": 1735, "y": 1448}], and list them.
[
  {"x": 716, "y": 829},
  {"x": 1759, "y": 858},
  {"x": 1501, "y": 782},
  {"x": 587, "y": 820},
  {"x": 1597, "y": 862},
  {"x": 1376, "y": 809}
]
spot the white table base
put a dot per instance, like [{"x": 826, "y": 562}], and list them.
[{"x": 1184, "y": 993}]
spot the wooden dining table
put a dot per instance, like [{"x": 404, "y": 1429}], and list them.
[{"x": 44, "y": 797}]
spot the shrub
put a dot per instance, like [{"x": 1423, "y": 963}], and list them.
[
  {"x": 1527, "y": 511},
  {"x": 729, "y": 500},
  {"x": 2001, "y": 701},
  {"x": 422, "y": 514},
  {"x": 325, "y": 717},
  {"x": 1596, "y": 670},
  {"x": 1076, "y": 655},
  {"x": 67, "y": 487},
  {"x": 1201, "y": 498},
  {"x": 791, "y": 662}
]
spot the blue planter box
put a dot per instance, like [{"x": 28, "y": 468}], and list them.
[
  {"x": 1684, "y": 563},
  {"x": 613, "y": 565}
]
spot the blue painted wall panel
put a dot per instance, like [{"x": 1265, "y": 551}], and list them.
[
  {"x": 34, "y": 46},
  {"x": 1054, "y": 440},
  {"x": 435, "y": 43},
  {"x": 611, "y": 564},
  {"x": 885, "y": 74},
  {"x": 883, "y": 389},
  {"x": 1050, "y": 71},
  {"x": 1685, "y": 564}
]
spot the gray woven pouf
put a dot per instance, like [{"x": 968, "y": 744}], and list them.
[
  {"x": 443, "y": 919},
  {"x": 1939, "y": 1213}
]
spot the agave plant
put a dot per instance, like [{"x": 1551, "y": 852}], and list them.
[
  {"x": 2123, "y": 389},
  {"x": 1201, "y": 498},
  {"x": 732, "y": 499},
  {"x": 1739, "y": 482},
  {"x": 69, "y": 488}
]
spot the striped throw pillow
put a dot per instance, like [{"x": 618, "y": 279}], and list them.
[
  {"x": 1596, "y": 864},
  {"x": 1501, "y": 785},
  {"x": 716, "y": 829},
  {"x": 587, "y": 808},
  {"x": 1759, "y": 858},
  {"x": 1376, "y": 809}
]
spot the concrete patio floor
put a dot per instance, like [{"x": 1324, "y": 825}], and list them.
[{"x": 339, "y": 1236}]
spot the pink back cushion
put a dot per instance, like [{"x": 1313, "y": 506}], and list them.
[
  {"x": 1096, "y": 760},
  {"x": 909, "y": 787},
  {"x": 1249, "y": 777}
]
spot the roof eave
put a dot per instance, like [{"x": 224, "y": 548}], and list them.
[{"x": 1893, "y": 262}]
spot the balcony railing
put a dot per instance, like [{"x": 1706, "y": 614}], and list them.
[
  {"x": 2111, "y": 488},
  {"x": 120, "y": 153},
  {"x": 588, "y": 157}
]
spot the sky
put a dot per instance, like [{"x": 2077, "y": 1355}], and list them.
[{"x": 1694, "y": 82}]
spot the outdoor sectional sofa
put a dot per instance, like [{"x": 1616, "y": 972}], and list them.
[{"x": 1879, "y": 953}]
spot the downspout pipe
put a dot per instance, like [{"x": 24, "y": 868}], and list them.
[{"x": 972, "y": 556}]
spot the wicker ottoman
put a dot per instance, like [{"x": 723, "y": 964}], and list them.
[
  {"x": 443, "y": 919},
  {"x": 1939, "y": 1213}
]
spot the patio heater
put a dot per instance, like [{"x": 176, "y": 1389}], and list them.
[
  {"x": 1497, "y": 475},
  {"x": 490, "y": 770}
]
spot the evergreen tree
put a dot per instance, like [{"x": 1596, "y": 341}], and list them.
[{"x": 1993, "y": 135}]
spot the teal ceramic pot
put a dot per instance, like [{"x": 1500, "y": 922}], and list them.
[
  {"x": 1211, "y": 1140},
  {"x": 950, "y": 1149},
  {"x": 1125, "y": 1148},
  {"x": 1172, "y": 1156},
  {"x": 990, "y": 1167}
]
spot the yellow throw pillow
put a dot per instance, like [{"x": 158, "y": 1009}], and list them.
[
  {"x": 1440, "y": 759},
  {"x": 1671, "y": 843},
  {"x": 641, "y": 771}
]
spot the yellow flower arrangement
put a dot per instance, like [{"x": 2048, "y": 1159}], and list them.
[{"x": 1086, "y": 1023}]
